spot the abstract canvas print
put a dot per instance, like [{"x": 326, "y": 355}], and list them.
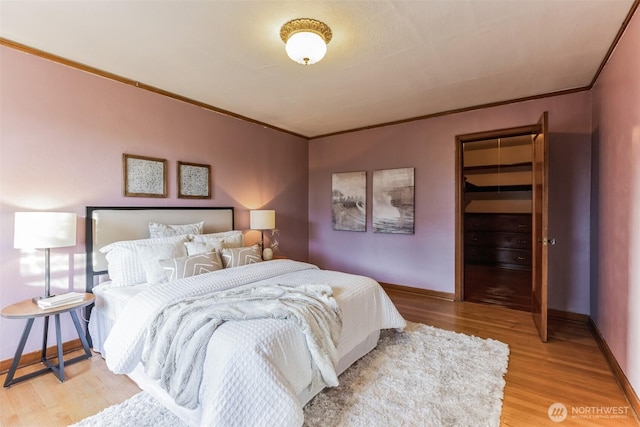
[
  {"x": 393, "y": 201},
  {"x": 349, "y": 201}
]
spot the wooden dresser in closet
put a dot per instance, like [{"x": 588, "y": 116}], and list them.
[{"x": 498, "y": 239}]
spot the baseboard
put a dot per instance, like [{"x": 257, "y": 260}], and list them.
[
  {"x": 618, "y": 373},
  {"x": 448, "y": 296},
  {"x": 35, "y": 356},
  {"x": 568, "y": 315}
]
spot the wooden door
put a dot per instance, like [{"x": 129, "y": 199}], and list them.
[{"x": 539, "y": 211}]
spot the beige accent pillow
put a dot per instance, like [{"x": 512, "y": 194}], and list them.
[
  {"x": 194, "y": 248},
  {"x": 179, "y": 268},
  {"x": 167, "y": 230},
  {"x": 229, "y": 239},
  {"x": 235, "y": 257}
]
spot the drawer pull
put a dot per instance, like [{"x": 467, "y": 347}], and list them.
[
  {"x": 521, "y": 258},
  {"x": 522, "y": 225},
  {"x": 522, "y": 242},
  {"x": 475, "y": 239}
]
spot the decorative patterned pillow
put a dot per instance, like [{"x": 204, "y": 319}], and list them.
[
  {"x": 179, "y": 268},
  {"x": 194, "y": 248},
  {"x": 235, "y": 257},
  {"x": 124, "y": 266},
  {"x": 166, "y": 230},
  {"x": 150, "y": 255},
  {"x": 230, "y": 239}
]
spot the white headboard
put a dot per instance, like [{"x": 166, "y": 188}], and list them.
[{"x": 106, "y": 225}]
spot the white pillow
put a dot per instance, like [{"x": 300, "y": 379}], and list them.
[
  {"x": 151, "y": 254},
  {"x": 235, "y": 257},
  {"x": 166, "y": 230},
  {"x": 230, "y": 239},
  {"x": 194, "y": 248},
  {"x": 179, "y": 268},
  {"x": 124, "y": 266}
]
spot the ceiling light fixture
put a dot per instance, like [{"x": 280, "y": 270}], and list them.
[{"x": 305, "y": 40}]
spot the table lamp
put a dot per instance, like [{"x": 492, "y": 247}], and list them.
[
  {"x": 44, "y": 230},
  {"x": 262, "y": 220}
]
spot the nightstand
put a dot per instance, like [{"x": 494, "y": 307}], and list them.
[{"x": 30, "y": 311}]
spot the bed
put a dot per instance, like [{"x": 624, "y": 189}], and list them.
[{"x": 257, "y": 371}]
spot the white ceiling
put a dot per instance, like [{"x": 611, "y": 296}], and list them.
[{"x": 387, "y": 61}]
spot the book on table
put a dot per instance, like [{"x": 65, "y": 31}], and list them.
[{"x": 60, "y": 300}]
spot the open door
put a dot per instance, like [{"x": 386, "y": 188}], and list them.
[{"x": 539, "y": 209}]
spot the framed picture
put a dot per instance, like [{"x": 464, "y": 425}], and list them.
[
  {"x": 349, "y": 201},
  {"x": 393, "y": 201},
  {"x": 194, "y": 181},
  {"x": 144, "y": 176}
]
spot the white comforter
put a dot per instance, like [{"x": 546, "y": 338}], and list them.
[{"x": 255, "y": 369}]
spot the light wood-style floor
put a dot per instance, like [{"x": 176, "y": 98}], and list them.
[{"x": 569, "y": 369}]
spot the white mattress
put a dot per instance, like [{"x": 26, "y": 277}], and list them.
[{"x": 110, "y": 301}]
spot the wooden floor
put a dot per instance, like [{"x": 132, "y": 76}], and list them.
[
  {"x": 569, "y": 369},
  {"x": 494, "y": 285}
]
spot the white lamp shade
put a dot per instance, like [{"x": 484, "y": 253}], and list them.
[
  {"x": 40, "y": 230},
  {"x": 306, "y": 47},
  {"x": 262, "y": 219}
]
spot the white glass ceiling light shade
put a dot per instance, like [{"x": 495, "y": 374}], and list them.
[
  {"x": 306, "y": 48},
  {"x": 305, "y": 40}
]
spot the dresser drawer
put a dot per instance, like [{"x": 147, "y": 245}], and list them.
[
  {"x": 498, "y": 239},
  {"x": 507, "y": 258},
  {"x": 514, "y": 223},
  {"x": 511, "y": 256}
]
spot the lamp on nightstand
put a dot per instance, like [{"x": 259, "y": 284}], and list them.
[
  {"x": 263, "y": 219},
  {"x": 44, "y": 230}
]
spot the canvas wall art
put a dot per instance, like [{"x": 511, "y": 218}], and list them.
[
  {"x": 393, "y": 201},
  {"x": 349, "y": 201}
]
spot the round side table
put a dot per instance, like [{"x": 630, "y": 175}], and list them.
[{"x": 27, "y": 309}]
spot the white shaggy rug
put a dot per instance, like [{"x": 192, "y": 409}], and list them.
[{"x": 422, "y": 377}]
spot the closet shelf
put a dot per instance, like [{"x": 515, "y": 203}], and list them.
[
  {"x": 470, "y": 188},
  {"x": 505, "y": 167}
]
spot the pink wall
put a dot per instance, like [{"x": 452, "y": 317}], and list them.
[
  {"x": 426, "y": 259},
  {"x": 615, "y": 305},
  {"x": 63, "y": 133}
]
